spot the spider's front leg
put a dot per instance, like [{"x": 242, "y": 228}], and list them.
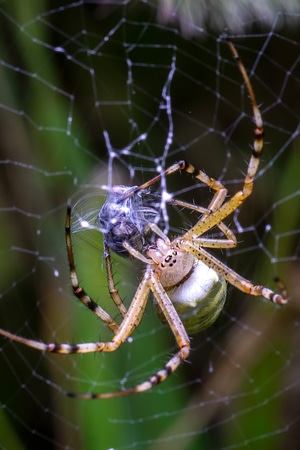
[{"x": 227, "y": 208}]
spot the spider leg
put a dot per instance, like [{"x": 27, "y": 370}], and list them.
[
  {"x": 78, "y": 291},
  {"x": 231, "y": 276},
  {"x": 218, "y": 214},
  {"x": 172, "y": 169},
  {"x": 129, "y": 324},
  {"x": 215, "y": 203},
  {"x": 152, "y": 280},
  {"x": 214, "y": 206},
  {"x": 230, "y": 242},
  {"x": 122, "y": 332},
  {"x": 179, "y": 166},
  {"x": 113, "y": 292},
  {"x": 202, "y": 226}
]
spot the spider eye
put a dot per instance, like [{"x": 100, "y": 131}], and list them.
[{"x": 170, "y": 259}]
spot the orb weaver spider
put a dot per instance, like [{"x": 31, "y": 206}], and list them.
[{"x": 187, "y": 282}]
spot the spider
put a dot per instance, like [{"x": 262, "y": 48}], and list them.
[{"x": 187, "y": 282}]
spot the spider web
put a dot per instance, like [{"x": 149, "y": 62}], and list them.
[{"x": 94, "y": 95}]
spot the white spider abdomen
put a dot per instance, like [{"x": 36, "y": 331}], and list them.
[{"x": 199, "y": 298}]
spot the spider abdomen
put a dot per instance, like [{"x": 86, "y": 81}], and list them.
[{"x": 199, "y": 298}]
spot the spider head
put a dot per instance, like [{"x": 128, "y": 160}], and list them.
[{"x": 174, "y": 265}]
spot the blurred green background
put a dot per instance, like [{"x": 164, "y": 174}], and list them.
[{"x": 240, "y": 387}]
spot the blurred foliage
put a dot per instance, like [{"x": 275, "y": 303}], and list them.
[{"x": 35, "y": 412}]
